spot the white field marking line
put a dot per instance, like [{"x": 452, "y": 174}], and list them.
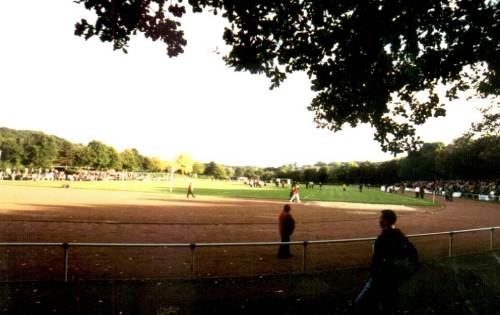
[{"x": 307, "y": 196}]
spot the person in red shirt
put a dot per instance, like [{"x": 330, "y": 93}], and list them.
[
  {"x": 286, "y": 228},
  {"x": 295, "y": 194}
]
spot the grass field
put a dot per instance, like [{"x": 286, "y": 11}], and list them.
[
  {"x": 462, "y": 285},
  {"x": 203, "y": 187}
]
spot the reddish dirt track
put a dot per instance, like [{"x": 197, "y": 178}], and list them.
[{"x": 70, "y": 215}]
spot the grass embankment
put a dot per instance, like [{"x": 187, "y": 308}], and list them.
[
  {"x": 461, "y": 285},
  {"x": 203, "y": 187}
]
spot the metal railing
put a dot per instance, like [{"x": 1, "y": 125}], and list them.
[{"x": 193, "y": 246}]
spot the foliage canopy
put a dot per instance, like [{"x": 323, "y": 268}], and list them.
[{"x": 376, "y": 61}]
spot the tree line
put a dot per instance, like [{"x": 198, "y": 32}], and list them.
[
  {"x": 467, "y": 157},
  {"x": 34, "y": 149}
]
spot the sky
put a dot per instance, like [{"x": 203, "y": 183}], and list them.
[{"x": 55, "y": 82}]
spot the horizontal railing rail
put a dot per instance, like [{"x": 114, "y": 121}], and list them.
[{"x": 193, "y": 246}]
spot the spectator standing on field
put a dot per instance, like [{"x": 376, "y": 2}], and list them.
[
  {"x": 190, "y": 190},
  {"x": 449, "y": 193},
  {"x": 380, "y": 293},
  {"x": 286, "y": 228}
]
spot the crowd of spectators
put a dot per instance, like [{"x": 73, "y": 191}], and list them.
[
  {"x": 478, "y": 187},
  {"x": 475, "y": 189},
  {"x": 60, "y": 175}
]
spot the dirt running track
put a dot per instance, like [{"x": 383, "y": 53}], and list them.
[{"x": 70, "y": 215}]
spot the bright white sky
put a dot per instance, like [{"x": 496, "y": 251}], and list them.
[{"x": 55, "y": 82}]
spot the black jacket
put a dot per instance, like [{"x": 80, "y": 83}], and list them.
[{"x": 386, "y": 247}]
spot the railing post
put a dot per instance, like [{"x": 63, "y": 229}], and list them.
[
  {"x": 66, "y": 257},
  {"x": 304, "y": 256},
  {"x": 450, "y": 248},
  {"x": 192, "y": 246},
  {"x": 491, "y": 238}
]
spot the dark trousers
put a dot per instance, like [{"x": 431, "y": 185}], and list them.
[
  {"x": 375, "y": 299},
  {"x": 190, "y": 193},
  {"x": 284, "y": 250}
]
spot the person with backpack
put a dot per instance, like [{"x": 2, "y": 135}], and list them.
[{"x": 394, "y": 260}]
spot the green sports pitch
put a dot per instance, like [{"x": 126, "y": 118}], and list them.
[{"x": 228, "y": 189}]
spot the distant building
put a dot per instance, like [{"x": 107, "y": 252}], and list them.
[{"x": 283, "y": 181}]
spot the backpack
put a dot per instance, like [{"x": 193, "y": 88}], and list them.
[{"x": 405, "y": 263}]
